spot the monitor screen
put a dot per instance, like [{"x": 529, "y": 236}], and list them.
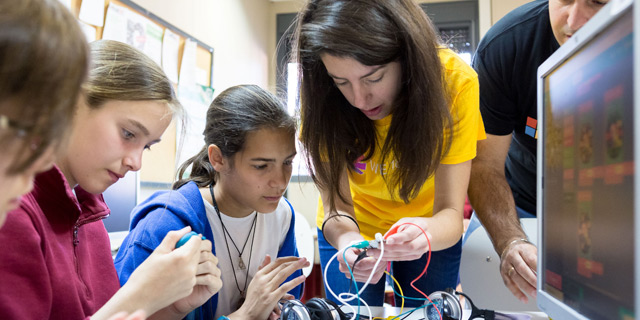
[
  {"x": 586, "y": 205},
  {"x": 121, "y": 198}
]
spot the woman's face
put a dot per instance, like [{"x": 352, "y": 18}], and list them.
[
  {"x": 15, "y": 184},
  {"x": 260, "y": 172},
  {"x": 107, "y": 142},
  {"x": 372, "y": 89}
]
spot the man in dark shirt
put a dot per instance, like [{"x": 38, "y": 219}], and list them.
[{"x": 503, "y": 175}]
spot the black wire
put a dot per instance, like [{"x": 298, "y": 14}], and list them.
[{"x": 361, "y": 256}]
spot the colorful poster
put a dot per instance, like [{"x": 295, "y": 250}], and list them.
[{"x": 127, "y": 26}]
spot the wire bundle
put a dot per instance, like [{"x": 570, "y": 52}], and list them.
[{"x": 345, "y": 297}]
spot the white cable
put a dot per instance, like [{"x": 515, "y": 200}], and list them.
[
  {"x": 344, "y": 297},
  {"x": 375, "y": 266}
]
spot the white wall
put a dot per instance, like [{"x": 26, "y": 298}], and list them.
[{"x": 236, "y": 29}]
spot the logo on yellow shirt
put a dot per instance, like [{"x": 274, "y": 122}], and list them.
[{"x": 359, "y": 165}]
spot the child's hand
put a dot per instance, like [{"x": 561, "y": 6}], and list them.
[
  {"x": 266, "y": 288},
  {"x": 169, "y": 274},
  {"x": 208, "y": 281}
]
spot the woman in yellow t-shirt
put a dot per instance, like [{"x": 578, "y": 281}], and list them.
[{"x": 390, "y": 122}]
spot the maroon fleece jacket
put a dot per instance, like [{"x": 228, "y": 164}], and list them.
[{"x": 55, "y": 258}]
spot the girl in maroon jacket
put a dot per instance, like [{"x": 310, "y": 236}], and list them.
[{"x": 59, "y": 265}]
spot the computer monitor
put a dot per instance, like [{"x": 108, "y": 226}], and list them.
[
  {"x": 587, "y": 184},
  {"x": 121, "y": 198}
]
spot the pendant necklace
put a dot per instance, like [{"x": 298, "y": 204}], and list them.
[{"x": 241, "y": 265}]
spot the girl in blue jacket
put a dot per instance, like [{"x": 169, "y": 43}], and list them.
[{"x": 233, "y": 196}]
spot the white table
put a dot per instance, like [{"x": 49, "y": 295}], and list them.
[{"x": 387, "y": 312}]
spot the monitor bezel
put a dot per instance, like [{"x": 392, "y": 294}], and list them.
[{"x": 605, "y": 17}]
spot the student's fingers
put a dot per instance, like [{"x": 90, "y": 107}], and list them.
[
  {"x": 205, "y": 245},
  {"x": 265, "y": 262},
  {"x": 171, "y": 239},
  {"x": 289, "y": 285},
  {"x": 208, "y": 274},
  {"x": 208, "y": 256},
  {"x": 285, "y": 269},
  {"x": 287, "y": 296},
  {"x": 208, "y": 264},
  {"x": 275, "y": 264},
  {"x": 191, "y": 248},
  {"x": 279, "y": 274},
  {"x": 274, "y": 315},
  {"x": 214, "y": 283}
]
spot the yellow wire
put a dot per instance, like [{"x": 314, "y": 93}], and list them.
[{"x": 399, "y": 289}]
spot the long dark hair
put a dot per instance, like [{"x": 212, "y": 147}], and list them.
[
  {"x": 373, "y": 32},
  {"x": 43, "y": 61},
  {"x": 232, "y": 114}
]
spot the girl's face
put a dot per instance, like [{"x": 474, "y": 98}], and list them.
[
  {"x": 372, "y": 89},
  {"x": 259, "y": 174},
  {"x": 107, "y": 142},
  {"x": 14, "y": 185}
]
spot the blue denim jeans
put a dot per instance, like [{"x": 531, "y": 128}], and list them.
[{"x": 442, "y": 273}]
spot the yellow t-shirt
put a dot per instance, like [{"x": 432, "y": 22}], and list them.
[{"x": 374, "y": 209}]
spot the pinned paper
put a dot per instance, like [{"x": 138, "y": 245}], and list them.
[
  {"x": 127, "y": 26},
  {"x": 92, "y": 12},
  {"x": 170, "y": 51},
  {"x": 188, "y": 71}
]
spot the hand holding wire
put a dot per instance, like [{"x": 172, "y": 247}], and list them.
[
  {"x": 406, "y": 240},
  {"x": 357, "y": 252}
]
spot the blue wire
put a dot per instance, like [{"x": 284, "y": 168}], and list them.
[
  {"x": 393, "y": 287},
  {"x": 344, "y": 257},
  {"x": 410, "y": 311}
]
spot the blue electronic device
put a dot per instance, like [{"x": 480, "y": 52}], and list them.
[{"x": 186, "y": 238}]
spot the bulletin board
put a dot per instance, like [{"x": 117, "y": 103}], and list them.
[{"x": 159, "y": 163}]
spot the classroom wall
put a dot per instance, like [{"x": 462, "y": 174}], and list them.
[{"x": 236, "y": 29}]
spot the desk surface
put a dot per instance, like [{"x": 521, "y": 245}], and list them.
[{"x": 388, "y": 312}]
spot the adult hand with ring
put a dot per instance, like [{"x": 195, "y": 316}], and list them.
[{"x": 518, "y": 261}]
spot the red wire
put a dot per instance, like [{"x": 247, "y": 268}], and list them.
[{"x": 393, "y": 231}]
